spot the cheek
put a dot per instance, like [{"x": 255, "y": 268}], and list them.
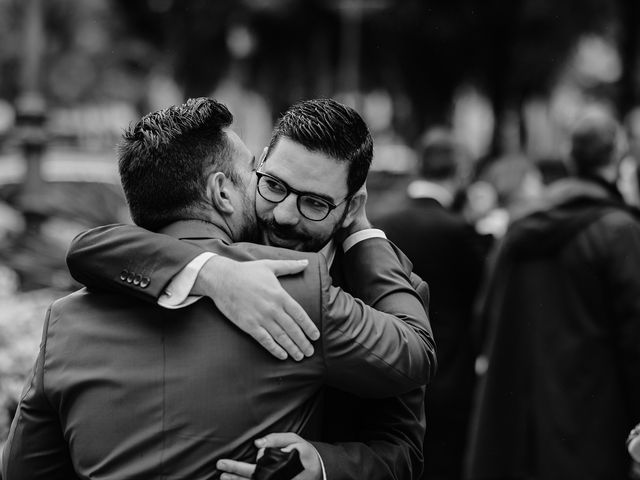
[
  {"x": 264, "y": 209},
  {"x": 321, "y": 230}
]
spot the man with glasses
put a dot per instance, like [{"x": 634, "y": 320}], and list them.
[
  {"x": 311, "y": 206},
  {"x": 310, "y": 194}
]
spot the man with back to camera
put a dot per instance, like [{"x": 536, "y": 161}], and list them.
[
  {"x": 562, "y": 313},
  {"x": 124, "y": 389},
  {"x": 320, "y": 151}
]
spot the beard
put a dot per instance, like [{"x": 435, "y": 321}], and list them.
[
  {"x": 249, "y": 230},
  {"x": 291, "y": 238}
]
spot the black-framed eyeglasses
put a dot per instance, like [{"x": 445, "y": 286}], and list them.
[{"x": 310, "y": 206}]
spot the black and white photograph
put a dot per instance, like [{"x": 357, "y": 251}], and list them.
[{"x": 319, "y": 240}]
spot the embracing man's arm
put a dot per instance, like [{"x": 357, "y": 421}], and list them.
[
  {"x": 131, "y": 260},
  {"x": 128, "y": 259},
  {"x": 390, "y": 432}
]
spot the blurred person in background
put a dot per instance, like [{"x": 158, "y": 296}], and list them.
[
  {"x": 516, "y": 182},
  {"x": 551, "y": 169},
  {"x": 629, "y": 181},
  {"x": 318, "y": 157},
  {"x": 199, "y": 387},
  {"x": 561, "y": 386},
  {"x": 446, "y": 250}
]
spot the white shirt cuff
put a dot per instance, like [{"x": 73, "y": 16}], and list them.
[
  {"x": 324, "y": 472},
  {"x": 358, "y": 237},
  {"x": 176, "y": 295}
]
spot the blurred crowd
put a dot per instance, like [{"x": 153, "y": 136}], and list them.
[
  {"x": 535, "y": 298},
  {"x": 532, "y": 265}
]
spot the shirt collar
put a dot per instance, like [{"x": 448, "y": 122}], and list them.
[
  {"x": 426, "y": 189},
  {"x": 195, "y": 229},
  {"x": 329, "y": 252}
]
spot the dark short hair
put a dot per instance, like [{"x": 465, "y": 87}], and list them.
[
  {"x": 165, "y": 157},
  {"x": 326, "y": 126},
  {"x": 594, "y": 141},
  {"x": 438, "y": 154}
]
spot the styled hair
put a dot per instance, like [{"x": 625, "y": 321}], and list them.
[
  {"x": 164, "y": 160},
  {"x": 326, "y": 126}
]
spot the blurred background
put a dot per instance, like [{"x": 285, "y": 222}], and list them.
[{"x": 507, "y": 79}]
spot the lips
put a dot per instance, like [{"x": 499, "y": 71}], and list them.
[{"x": 277, "y": 240}]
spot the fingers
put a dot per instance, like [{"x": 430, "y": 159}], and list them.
[
  {"x": 266, "y": 340},
  {"x": 300, "y": 317},
  {"x": 286, "y": 267},
  {"x": 291, "y": 333},
  {"x": 231, "y": 476},
  {"x": 283, "y": 338},
  {"x": 278, "y": 440},
  {"x": 234, "y": 470}
]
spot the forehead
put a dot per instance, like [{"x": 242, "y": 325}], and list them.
[{"x": 307, "y": 171}]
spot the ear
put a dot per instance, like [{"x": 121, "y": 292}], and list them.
[
  {"x": 356, "y": 207},
  {"x": 218, "y": 191}
]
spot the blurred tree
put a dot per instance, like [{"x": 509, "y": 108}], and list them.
[
  {"x": 426, "y": 50},
  {"x": 415, "y": 49},
  {"x": 628, "y": 96},
  {"x": 511, "y": 50},
  {"x": 10, "y": 26},
  {"x": 295, "y": 41}
]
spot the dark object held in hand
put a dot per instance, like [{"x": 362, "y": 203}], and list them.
[{"x": 278, "y": 465}]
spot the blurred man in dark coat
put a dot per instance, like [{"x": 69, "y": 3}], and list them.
[
  {"x": 448, "y": 253},
  {"x": 562, "y": 385}
]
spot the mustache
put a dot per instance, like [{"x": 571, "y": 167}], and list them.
[{"x": 282, "y": 231}]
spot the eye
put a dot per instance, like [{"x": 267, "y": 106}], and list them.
[
  {"x": 274, "y": 185},
  {"x": 314, "y": 203}
]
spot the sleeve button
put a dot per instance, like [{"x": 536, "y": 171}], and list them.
[
  {"x": 123, "y": 274},
  {"x": 144, "y": 282},
  {"x": 136, "y": 279},
  {"x": 130, "y": 277}
]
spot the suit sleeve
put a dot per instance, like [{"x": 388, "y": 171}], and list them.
[
  {"x": 388, "y": 445},
  {"x": 36, "y": 448},
  {"x": 379, "y": 274},
  {"x": 128, "y": 259},
  {"x": 390, "y": 431},
  {"x": 381, "y": 351}
]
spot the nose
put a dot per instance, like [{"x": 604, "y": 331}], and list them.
[{"x": 286, "y": 212}]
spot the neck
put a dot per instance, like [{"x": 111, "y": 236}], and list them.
[
  {"x": 426, "y": 188},
  {"x": 214, "y": 218}
]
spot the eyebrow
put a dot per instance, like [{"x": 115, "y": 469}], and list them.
[{"x": 312, "y": 194}]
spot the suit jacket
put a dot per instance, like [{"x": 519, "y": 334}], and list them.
[
  {"x": 373, "y": 440},
  {"x": 124, "y": 389},
  {"x": 450, "y": 255}
]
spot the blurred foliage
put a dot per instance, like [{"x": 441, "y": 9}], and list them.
[
  {"x": 424, "y": 49},
  {"x": 63, "y": 210},
  {"x": 416, "y": 49},
  {"x": 88, "y": 55},
  {"x": 21, "y": 320}
]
